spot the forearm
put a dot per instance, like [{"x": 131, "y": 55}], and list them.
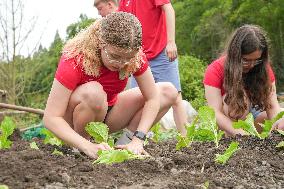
[
  {"x": 62, "y": 130},
  {"x": 170, "y": 23},
  {"x": 149, "y": 114},
  {"x": 226, "y": 124},
  {"x": 274, "y": 110}
]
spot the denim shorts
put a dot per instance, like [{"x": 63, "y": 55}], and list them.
[
  {"x": 163, "y": 71},
  {"x": 254, "y": 112}
]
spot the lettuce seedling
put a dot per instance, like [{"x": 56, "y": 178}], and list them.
[
  {"x": 33, "y": 145},
  {"x": 187, "y": 140},
  {"x": 223, "y": 158},
  {"x": 7, "y": 128},
  {"x": 156, "y": 129},
  {"x": 57, "y": 152},
  {"x": 182, "y": 142},
  {"x": 115, "y": 156},
  {"x": 207, "y": 129},
  {"x": 159, "y": 135},
  {"x": 247, "y": 125},
  {"x": 99, "y": 132},
  {"x": 267, "y": 126},
  {"x": 280, "y": 144},
  {"x": 4, "y": 187},
  {"x": 50, "y": 138}
]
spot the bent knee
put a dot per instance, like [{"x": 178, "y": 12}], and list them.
[
  {"x": 93, "y": 95},
  {"x": 168, "y": 91}
]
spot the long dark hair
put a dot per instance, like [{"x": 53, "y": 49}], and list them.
[{"x": 254, "y": 85}]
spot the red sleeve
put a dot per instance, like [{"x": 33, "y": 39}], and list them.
[
  {"x": 271, "y": 73},
  {"x": 214, "y": 74},
  {"x": 161, "y": 2},
  {"x": 68, "y": 73},
  {"x": 143, "y": 67},
  {"x": 120, "y": 5}
]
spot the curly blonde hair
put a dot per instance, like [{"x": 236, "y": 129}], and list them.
[{"x": 119, "y": 29}]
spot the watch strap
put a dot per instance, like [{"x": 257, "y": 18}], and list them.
[{"x": 140, "y": 135}]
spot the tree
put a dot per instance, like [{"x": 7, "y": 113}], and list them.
[
  {"x": 75, "y": 28},
  {"x": 13, "y": 36}
]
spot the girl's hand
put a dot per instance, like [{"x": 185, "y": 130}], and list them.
[
  {"x": 135, "y": 146},
  {"x": 279, "y": 124},
  {"x": 92, "y": 149},
  {"x": 236, "y": 132}
]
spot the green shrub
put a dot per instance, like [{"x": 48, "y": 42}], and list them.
[{"x": 191, "y": 76}]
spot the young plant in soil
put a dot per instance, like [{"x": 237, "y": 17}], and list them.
[
  {"x": 99, "y": 132},
  {"x": 248, "y": 125},
  {"x": 203, "y": 128},
  {"x": 50, "y": 138},
  {"x": 280, "y": 144},
  {"x": 223, "y": 158},
  {"x": 186, "y": 141},
  {"x": 33, "y": 145},
  {"x": 4, "y": 187},
  {"x": 159, "y": 135},
  {"x": 7, "y": 128}
]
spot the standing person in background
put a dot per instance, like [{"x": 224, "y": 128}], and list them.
[
  {"x": 242, "y": 81},
  {"x": 157, "y": 18},
  {"x": 106, "y": 7}
]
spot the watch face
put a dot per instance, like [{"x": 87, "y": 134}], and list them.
[{"x": 140, "y": 135}]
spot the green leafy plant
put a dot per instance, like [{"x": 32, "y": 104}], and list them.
[
  {"x": 99, "y": 132},
  {"x": 207, "y": 129},
  {"x": 159, "y": 135},
  {"x": 203, "y": 128},
  {"x": 182, "y": 141},
  {"x": 156, "y": 129},
  {"x": 57, "y": 152},
  {"x": 115, "y": 156},
  {"x": 50, "y": 138},
  {"x": 248, "y": 125},
  {"x": 7, "y": 128},
  {"x": 33, "y": 145},
  {"x": 4, "y": 186},
  {"x": 223, "y": 158},
  {"x": 280, "y": 144}
]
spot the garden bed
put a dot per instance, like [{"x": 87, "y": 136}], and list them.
[{"x": 258, "y": 164}]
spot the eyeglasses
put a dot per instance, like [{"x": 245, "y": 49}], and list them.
[
  {"x": 114, "y": 60},
  {"x": 247, "y": 63}
]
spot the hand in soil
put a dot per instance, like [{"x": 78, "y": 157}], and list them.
[
  {"x": 92, "y": 149},
  {"x": 279, "y": 124},
  {"x": 236, "y": 132},
  {"x": 135, "y": 146}
]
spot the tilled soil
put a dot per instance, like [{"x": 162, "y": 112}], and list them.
[{"x": 258, "y": 164}]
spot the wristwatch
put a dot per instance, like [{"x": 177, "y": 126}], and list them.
[{"x": 140, "y": 135}]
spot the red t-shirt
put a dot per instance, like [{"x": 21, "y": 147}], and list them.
[
  {"x": 70, "y": 74},
  {"x": 214, "y": 74},
  {"x": 153, "y": 21}
]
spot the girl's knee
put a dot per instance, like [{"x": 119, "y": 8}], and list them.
[
  {"x": 93, "y": 95},
  {"x": 168, "y": 91}
]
